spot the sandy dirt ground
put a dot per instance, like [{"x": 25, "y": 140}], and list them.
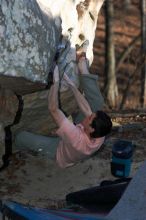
[{"x": 31, "y": 179}]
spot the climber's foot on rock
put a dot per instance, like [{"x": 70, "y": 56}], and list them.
[
  {"x": 81, "y": 50},
  {"x": 83, "y": 63}
]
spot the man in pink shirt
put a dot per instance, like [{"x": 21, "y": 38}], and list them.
[
  {"x": 75, "y": 142},
  {"x": 81, "y": 140}
]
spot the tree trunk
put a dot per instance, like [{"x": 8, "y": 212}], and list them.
[
  {"x": 143, "y": 48},
  {"x": 111, "y": 89},
  {"x": 127, "y": 4}
]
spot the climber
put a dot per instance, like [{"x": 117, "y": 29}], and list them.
[{"x": 74, "y": 142}]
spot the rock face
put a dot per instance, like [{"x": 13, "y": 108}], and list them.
[
  {"x": 8, "y": 106},
  {"x": 30, "y": 34},
  {"x": 28, "y": 40},
  {"x": 8, "y": 109},
  {"x": 35, "y": 116}
]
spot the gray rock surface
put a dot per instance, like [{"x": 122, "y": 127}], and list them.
[
  {"x": 30, "y": 32},
  {"x": 35, "y": 116},
  {"x": 8, "y": 106},
  {"x": 8, "y": 109},
  {"x": 28, "y": 40}
]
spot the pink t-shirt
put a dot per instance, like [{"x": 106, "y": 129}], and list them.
[{"x": 75, "y": 145}]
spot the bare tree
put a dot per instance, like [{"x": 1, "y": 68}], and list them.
[
  {"x": 127, "y": 4},
  {"x": 143, "y": 40},
  {"x": 131, "y": 80},
  {"x": 127, "y": 51},
  {"x": 111, "y": 89}
]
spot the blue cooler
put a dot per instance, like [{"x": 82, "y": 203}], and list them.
[{"x": 122, "y": 152}]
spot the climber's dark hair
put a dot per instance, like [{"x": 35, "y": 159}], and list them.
[{"x": 102, "y": 125}]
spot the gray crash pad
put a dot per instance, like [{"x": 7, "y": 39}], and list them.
[{"x": 132, "y": 205}]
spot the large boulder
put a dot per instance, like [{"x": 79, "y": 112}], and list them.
[
  {"x": 30, "y": 33},
  {"x": 29, "y": 38}
]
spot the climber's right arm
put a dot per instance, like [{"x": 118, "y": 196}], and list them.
[{"x": 53, "y": 106}]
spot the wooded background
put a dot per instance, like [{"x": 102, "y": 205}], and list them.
[{"x": 120, "y": 53}]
